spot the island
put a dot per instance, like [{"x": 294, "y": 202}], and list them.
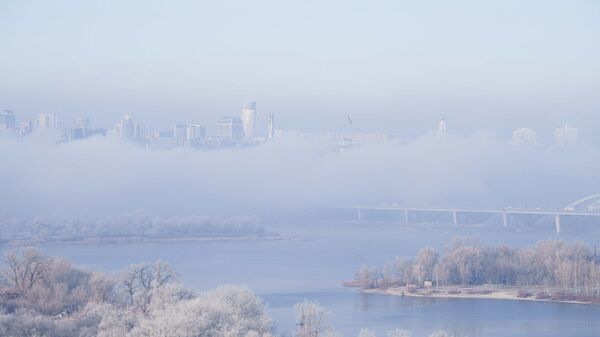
[{"x": 551, "y": 270}]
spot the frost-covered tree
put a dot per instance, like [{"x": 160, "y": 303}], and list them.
[
  {"x": 228, "y": 311},
  {"x": 565, "y": 270},
  {"x": 439, "y": 333},
  {"x": 366, "y": 333},
  {"x": 424, "y": 264},
  {"x": 399, "y": 333},
  {"x": 313, "y": 320},
  {"x": 25, "y": 268}
]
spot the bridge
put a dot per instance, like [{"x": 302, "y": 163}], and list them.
[{"x": 585, "y": 208}]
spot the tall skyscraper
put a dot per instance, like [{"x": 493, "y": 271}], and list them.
[
  {"x": 442, "y": 127},
  {"x": 179, "y": 132},
  {"x": 129, "y": 129},
  {"x": 7, "y": 119},
  {"x": 195, "y": 131},
  {"x": 186, "y": 134},
  {"x": 249, "y": 119},
  {"x": 523, "y": 136},
  {"x": 230, "y": 128},
  {"x": 46, "y": 121},
  {"x": 139, "y": 131},
  {"x": 271, "y": 127},
  {"x": 566, "y": 136},
  {"x": 26, "y": 127},
  {"x": 126, "y": 127},
  {"x": 82, "y": 125}
]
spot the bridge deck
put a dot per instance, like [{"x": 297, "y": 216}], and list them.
[{"x": 461, "y": 210}]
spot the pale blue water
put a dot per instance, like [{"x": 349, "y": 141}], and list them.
[{"x": 286, "y": 272}]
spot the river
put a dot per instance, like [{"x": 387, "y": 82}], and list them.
[{"x": 313, "y": 266}]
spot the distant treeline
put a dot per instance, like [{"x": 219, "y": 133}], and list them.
[
  {"x": 136, "y": 224},
  {"x": 46, "y": 296},
  {"x": 556, "y": 266}
]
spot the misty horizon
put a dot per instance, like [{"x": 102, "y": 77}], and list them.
[
  {"x": 493, "y": 67},
  {"x": 292, "y": 171}
]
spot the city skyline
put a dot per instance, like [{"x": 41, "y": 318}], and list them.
[
  {"x": 407, "y": 65},
  {"x": 240, "y": 128}
]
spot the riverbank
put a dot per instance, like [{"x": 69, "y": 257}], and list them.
[
  {"x": 534, "y": 294},
  {"x": 138, "y": 239}
]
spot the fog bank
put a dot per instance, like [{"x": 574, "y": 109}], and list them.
[{"x": 103, "y": 175}]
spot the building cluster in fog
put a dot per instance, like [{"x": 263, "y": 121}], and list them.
[
  {"x": 234, "y": 130},
  {"x": 231, "y": 130},
  {"x": 565, "y": 136}
]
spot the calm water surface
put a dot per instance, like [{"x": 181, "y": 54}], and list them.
[{"x": 314, "y": 265}]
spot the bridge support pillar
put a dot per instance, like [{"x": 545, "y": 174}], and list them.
[
  {"x": 557, "y": 223},
  {"x": 504, "y": 219},
  {"x": 454, "y": 218},
  {"x": 405, "y": 216},
  {"x": 359, "y": 214}
]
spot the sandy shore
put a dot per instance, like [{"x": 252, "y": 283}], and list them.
[{"x": 469, "y": 292}]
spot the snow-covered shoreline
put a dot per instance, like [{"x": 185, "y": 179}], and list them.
[{"x": 470, "y": 292}]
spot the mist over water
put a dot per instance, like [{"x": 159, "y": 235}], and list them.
[{"x": 101, "y": 175}]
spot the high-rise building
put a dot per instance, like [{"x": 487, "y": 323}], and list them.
[
  {"x": 46, "y": 121},
  {"x": 249, "y": 119},
  {"x": 179, "y": 132},
  {"x": 566, "y": 136},
  {"x": 523, "y": 136},
  {"x": 139, "y": 131},
  {"x": 442, "y": 127},
  {"x": 185, "y": 134},
  {"x": 126, "y": 127},
  {"x": 82, "y": 126},
  {"x": 271, "y": 127},
  {"x": 26, "y": 127},
  {"x": 7, "y": 119},
  {"x": 195, "y": 131},
  {"x": 230, "y": 128}
]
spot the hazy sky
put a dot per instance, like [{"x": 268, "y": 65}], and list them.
[{"x": 393, "y": 65}]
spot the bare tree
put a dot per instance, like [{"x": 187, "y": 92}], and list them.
[
  {"x": 144, "y": 275},
  {"x": 129, "y": 283},
  {"x": 163, "y": 274},
  {"x": 25, "y": 268},
  {"x": 102, "y": 288}
]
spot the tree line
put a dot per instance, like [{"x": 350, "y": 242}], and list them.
[
  {"x": 42, "y": 296},
  {"x": 563, "y": 270},
  {"x": 135, "y": 224}
]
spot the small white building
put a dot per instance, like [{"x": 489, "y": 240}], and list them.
[
  {"x": 523, "y": 136},
  {"x": 566, "y": 136}
]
